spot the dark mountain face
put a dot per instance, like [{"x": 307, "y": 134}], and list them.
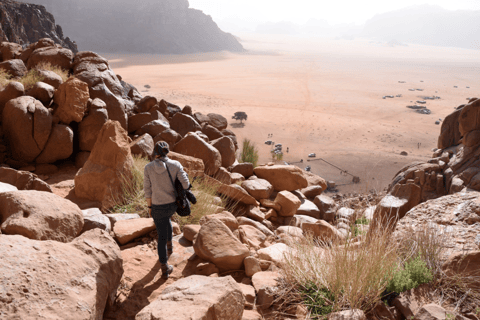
[
  {"x": 143, "y": 26},
  {"x": 427, "y": 25},
  {"x": 27, "y": 23}
]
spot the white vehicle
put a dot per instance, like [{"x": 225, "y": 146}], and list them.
[
  {"x": 312, "y": 155},
  {"x": 308, "y": 168},
  {"x": 278, "y": 145}
]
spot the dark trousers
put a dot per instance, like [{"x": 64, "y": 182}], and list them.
[{"x": 161, "y": 216}]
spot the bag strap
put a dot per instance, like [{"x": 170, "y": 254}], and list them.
[{"x": 171, "y": 180}]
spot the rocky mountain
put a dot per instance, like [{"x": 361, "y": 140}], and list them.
[
  {"x": 27, "y": 23},
  {"x": 427, "y": 25},
  {"x": 146, "y": 26}
]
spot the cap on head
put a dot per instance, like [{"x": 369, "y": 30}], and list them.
[{"x": 161, "y": 149}]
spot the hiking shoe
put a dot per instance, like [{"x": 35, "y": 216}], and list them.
[{"x": 166, "y": 270}]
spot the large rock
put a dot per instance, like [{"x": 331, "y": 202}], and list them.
[
  {"x": 110, "y": 162},
  {"x": 258, "y": 188},
  {"x": 90, "y": 127},
  {"x": 245, "y": 169},
  {"x": 216, "y": 243},
  {"x": 450, "y": 132},
  {"x": 352, "y": 314},
  {"x": 128, "y": 230},
  {"x": 184, "y": 124},
  {"x": 288, "y": 202},
  {"x": 236, "y": 193},
  {"x": 249, "y": 222},
  {"x": 327, "y": 207},
  {"x": 94, "y": 219},
  {"x": 197, "y": 298},
  {"x": 43, "y": 92},
  {"x": 15, "y": 67},
  {"x": 53, "y": 280},
  {"x": 454, "y": 218},
  {"x": 469, "y": 118},
  {"x": 154, "y": 128},
  {"x": 265, "y": 284},
  {"x": 12, "y": 90},
  {"x": 193, "y": 166},
  {"x": 322, "y": 231},
  {"x": 102, "y": 83},
  {"x": 211, "y": 132},
  {"x": 59, "y": 145},
  {"x": 226, "y": 148},
  {"x": 275, "y": 253},
  {"x": 23, "y": 180},
  {"x": 251, "y": 236},
  {"x": 138, "y": 120},
  {"x": 71, "y": 98},
  {"x": 389, "y": 211},
  {"x": 217, "y": 121},
  {"x": 10, "y": 50},
  {"x": 314, "y": 180},
  {"x": 169, "y": 136},
  {"x": 312, "y": 191},
  {"x": 27, "y": 125},
  {"x": 308, "y": 208},
  {"x": 51, "y": 78},
  {"x": 142, "y": 146},
  {"x": 194, "y": 146},
  {"x": 431, "y": 311},
  {"x": 59, "y": 57},
  {"x": 226, "y": 217},
  {"x": 40, "y": 215},
  {"x": 145, "y": 104},
  {"x": 282, "y": 178}
]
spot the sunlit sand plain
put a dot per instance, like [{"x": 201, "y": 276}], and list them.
[{"x": 320, "y": 96}]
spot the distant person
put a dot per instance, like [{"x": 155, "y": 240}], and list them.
[
  {"x": 287, "y": 149},
  {"x": 160, "y": 196}
]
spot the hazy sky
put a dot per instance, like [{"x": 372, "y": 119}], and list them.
[{"x": 299, "y": 11}]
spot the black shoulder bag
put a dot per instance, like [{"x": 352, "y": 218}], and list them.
[{"x": 182, "y": 197}]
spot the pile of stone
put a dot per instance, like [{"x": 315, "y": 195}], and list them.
[{"x": 454, "y": 167}]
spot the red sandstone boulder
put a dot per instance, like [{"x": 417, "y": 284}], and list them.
[
  {"x": 27, "y": 125},
  {"x": 71, "y": 99},
  {"x": 40, "y": 215},
  {"x": 16, "y": 68},
  {"x": 226, "y": 148},
  {"x": 217, "y": 121},
  {"x": 23, "y": 180},
  {"x": 59, "y": 145},
  {"x": 193, "y": 145},
  {"x": 109, "y": 163},
  {"x": 282, "y": 178},
  {"x": 184, "y": 124},
  {"x": 51, "y": 78},
  {"x": 42, "y": 92},
  {"x": 91, "y": 125},
  {"x": 142, "y": 146},
  {"x": 59, "y": 57}
]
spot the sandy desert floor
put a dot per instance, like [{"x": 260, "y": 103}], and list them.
[{"x": 320, "y": 96}]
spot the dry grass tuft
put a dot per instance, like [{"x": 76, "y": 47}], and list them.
[
  {"x": 47, "y": 66},
  {"x": 352, "y": 275}
]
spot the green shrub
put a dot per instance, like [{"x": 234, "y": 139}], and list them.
[
  {"x": 249, "y": 152},
  {"x": 319, "y": 301},
  {"x": 411, "y": 276},
  {"x": 363, "y": 221}
]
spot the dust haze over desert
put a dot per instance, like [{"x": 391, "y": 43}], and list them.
[{"x": 320, "y": 95}]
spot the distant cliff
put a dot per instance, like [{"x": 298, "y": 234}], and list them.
[
  {"x": 427, "y": 25},
  {"x": 143, "y": 26},
  {"x": 26, "y": 23}
]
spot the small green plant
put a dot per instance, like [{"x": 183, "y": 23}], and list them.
[
  {"x": 414, "y": 273},
  {"x": 356, "y": 231},
  {"x": 363, "y": 221},
  {"x": 249, "y": 152},
  {"x": 319, "y": 301}
]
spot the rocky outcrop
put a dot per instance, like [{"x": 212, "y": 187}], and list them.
[
  {"x": 129, "y": 27},
  {"x": 455, "y": 165},
  {"x": 25, "y": 23},
  {"x": 54, "y": 280}
]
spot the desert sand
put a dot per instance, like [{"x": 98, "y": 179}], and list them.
[{"x": 319, "y": 96}]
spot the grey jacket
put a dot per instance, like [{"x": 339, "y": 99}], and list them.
[{"x": 157, "y": 183}]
